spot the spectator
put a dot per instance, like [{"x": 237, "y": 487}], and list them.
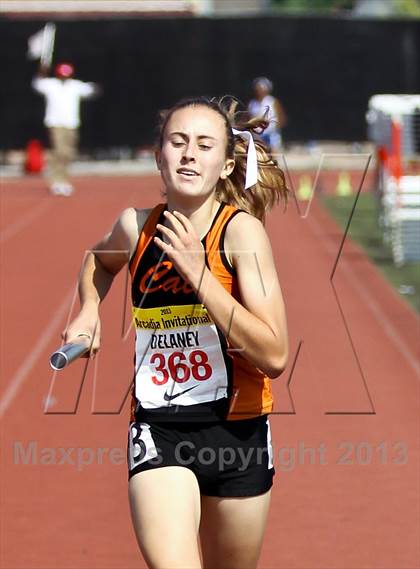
[
  {"x": 264, "y": 104},
  {"x": 62, "y": 118}
]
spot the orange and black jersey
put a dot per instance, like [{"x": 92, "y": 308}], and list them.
[{"x": 184, "y": 369}]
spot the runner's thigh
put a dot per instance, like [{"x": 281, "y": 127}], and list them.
[
  {"x": 165, "y": 509},
  {"x": 232, "y": 531}
]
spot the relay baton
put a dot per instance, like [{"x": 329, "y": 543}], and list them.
[{"x": 70, "y": 352}]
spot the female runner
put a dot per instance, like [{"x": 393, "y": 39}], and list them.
[{"x": 210, "y": 333}]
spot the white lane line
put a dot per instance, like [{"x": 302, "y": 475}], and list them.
[
  {"x": 24, "y": 220},
  {"x": 369, "y": 299},
  {"x": 47, "y": 334}
]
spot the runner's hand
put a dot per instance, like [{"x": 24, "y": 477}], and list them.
[
  {"x": 183, "y": 247},
  {"x": 86, "y": 324}
]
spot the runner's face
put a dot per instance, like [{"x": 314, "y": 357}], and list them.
[{"x": 193, "y": 153}]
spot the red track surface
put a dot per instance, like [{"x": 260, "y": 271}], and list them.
[{"x": 345, "y": 434}]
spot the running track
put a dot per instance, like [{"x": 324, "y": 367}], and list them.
[{"x": 345, "y": 431}]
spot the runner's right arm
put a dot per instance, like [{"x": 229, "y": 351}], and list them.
[{"x": 100, "y": 267}]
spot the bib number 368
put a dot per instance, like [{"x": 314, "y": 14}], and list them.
[{"x": 180, "y": 367}]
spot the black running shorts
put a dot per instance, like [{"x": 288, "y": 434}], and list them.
[{"x": 229, "y": 458}]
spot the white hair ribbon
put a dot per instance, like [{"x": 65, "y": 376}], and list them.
[{"x": 251, "y": 177}]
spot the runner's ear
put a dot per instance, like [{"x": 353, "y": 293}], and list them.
[{"x": 228, "y": 168}]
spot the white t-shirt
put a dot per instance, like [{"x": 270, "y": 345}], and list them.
[
  {"x": 258, "y": 108},
  {"x": 62, "y": 100}
]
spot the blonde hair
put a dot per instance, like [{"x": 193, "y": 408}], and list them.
[{"x": 271, "y": 187}]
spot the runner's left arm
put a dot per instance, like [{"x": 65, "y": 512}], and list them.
[{"x": 257, "y": 325}]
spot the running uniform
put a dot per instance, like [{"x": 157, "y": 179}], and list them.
[{"x": 187, "y": 380}]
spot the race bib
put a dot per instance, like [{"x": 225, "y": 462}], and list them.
[{"x": 179, "y": 357}]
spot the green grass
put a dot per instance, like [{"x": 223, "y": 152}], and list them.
[{"x": 365, "y": 231}]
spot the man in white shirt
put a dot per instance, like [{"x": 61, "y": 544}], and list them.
[{"x": 62, "y": 118}]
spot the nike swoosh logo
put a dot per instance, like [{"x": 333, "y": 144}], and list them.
[{"x": 170, "y": 397}]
